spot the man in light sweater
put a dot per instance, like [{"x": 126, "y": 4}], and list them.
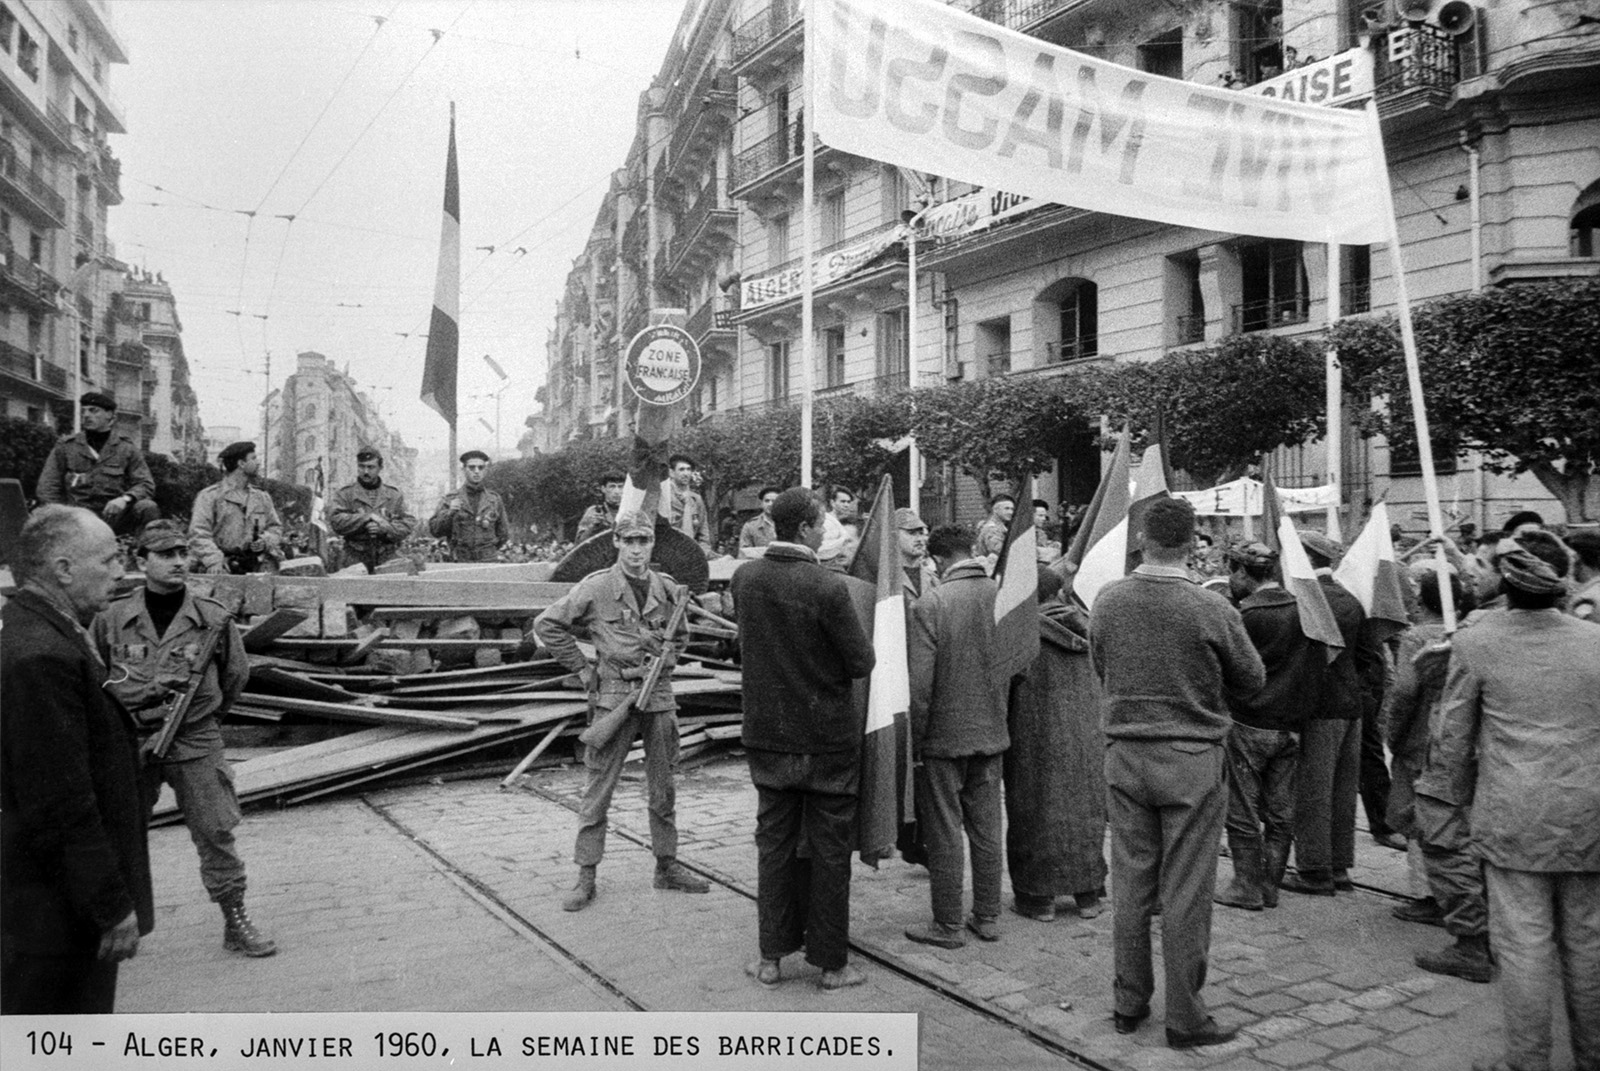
[{"x": 1170, "y": 655}]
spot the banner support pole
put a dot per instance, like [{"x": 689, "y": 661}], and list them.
[
  {"x": 808, "y": 114},
  {"x": 1335, "y": 396},
  {"x": 1408, "y": 340}
]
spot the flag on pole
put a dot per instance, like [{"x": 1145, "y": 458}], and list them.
[
  {"x": 889, "y": 690},
  {"x": 444, "y": 331},
  {"x": 1152, "y": 481},
  {"x": 1370, "y": 572},
  {"x": 1016, "y": 600},
  {"x": 1099, "y": 551},
  {"x": 1299, "y": 578}
]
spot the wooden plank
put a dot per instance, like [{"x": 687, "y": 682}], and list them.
[
  {"x": 259, "y": 636},
  {"x": 390, "y": 643},
  {"x": 425, "y": 591},
  {"x": 270, "y": 680},
  {"x": 430, "y": 613},
  {"x": 549, "y": 738},
  {"x": 365, "y": 714}
]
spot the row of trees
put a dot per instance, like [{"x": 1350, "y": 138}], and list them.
[{"x": 1512, "y": 372}]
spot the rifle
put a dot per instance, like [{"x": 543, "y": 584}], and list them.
[
  {"x": 177, "y": 707},
  {"x": 246, "y": 561},
  {"x": 600, "y": 732}
]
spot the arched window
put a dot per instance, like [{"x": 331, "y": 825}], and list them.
[
  {"x": 1585, "y": 224},
  {"x": 1067, "y": 320},
  {"x": 309, "y": 412},
  {"x": 311, "y": 444}
]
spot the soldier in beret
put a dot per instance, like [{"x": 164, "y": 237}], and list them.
[
  {"x": 234, "y": 528},
  {"x": 151, "y": 641},
  {"x": 472, "y": 518},
  {"x": 101, "y": 469},
  {"x": 369, "y": 514}
]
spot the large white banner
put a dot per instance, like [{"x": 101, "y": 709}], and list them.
[{"x": 930, "y": 87}]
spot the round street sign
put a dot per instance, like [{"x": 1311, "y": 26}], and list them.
[{"x": 662, "y": 364}]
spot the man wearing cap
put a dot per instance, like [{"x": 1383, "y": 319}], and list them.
[
  {"x": 151, "y": 640},
  {"x": 234, "y": 527},
  {"x": 102, "y": 469},
  {"x": 1331, "y": 765},
  {"x": 370, "y": 514},
  {"x": 991, "y": 538},
  {"x": 472, "y": 518},
  {"x": 911, "y": 532},
  {"x": 758, "y": 530},
  {"x": 682, "y": 504},
  {"x": 602, "y": 515},
  {"x": 624, "y": 612},
  {"x": 1263, "y": 746},
  {"x": 1519, "y": 742}
]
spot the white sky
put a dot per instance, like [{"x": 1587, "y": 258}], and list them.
[{"x": 218, "y": 94}]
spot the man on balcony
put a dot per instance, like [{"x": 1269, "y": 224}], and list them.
[{"x": 101, "y": 469}]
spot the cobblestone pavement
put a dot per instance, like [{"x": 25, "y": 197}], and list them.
[{"x": 447, "y": 897}]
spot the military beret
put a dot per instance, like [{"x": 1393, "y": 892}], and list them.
[
  {"x": 235, "y": 452},
  {"x": 1321, "y": 545},
  {"x": 99, "y": 401}
]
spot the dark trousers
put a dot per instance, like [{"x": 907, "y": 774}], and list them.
[
  {"x": 1374, "y": 773},
  {"x": 1261, "y": 770},
  {"x": 805, "y": 832},
  {"x": 1325, "y": 795},
  {"x": 1166, "y": 800},
  {"x": 56, "y": 985},
  {"x": 955, "y": 795},
  {"x": 604, "y": 763}
]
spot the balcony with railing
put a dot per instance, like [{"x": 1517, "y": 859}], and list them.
[
  {"x": 1082, "y": 348},
  {"x": 25, "y": 280},
  {"x": 705, "y": 231},
  {"x": 1021, "y": 15},
  {"x": 706, "y": 114},
  {"x": 1417, "y": 69},
  {"x": 711, "y": 318},
  {"x": 28, "y": 189},
  {"x": 1272, "y": 312},
  {"x": 768, "y": 156},
  {"x": 636, "y": 241},
  {"x": 1355, "y": 296},
  {"x": 769, "y": 38},
  {"x": 18, "y": 364}
]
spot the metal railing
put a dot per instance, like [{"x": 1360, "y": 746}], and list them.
[
  {"x": 710, "y": 316},
  {"x": 1016, "y": 14},
  {"x": 1273, "y": 312},
  {"x": 28, "y": 276},
  {"x": 1355, "y": 297},
  {"x": 714, "y": 95},
  {"x": 1425, "y": 60},
  {"x": 1072, "y": 349},
  {"x": 1191, "y": 329},
  {"x": 998, "y": 364},
  {"x": 694, "y": 221},
  {"x": 59, "y": 122},
  {"x": 769, "y": 154},
  {"x": 30, "y": 183},
  {"x": 24, "y": 365},
  {"x": 756, "y": 33}
]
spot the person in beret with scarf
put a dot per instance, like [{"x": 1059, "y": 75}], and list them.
[{"x": 100, "y": 469}]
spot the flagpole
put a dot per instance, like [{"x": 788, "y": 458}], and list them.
[
  {"x": 914, "y": 456},
  {"x": 1335, "y": 400},
  {"x": 808, "y": 223},
  {"x": 1408, "y": 339}
]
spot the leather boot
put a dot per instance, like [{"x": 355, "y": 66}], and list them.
[
  {"x": 673, "y": 875},
  {"x": 239, "y": 934},
  {"x": 1309, "y": 882},
  {"x": 581, "y": 894},
  {"x": 1244, "y": 891},
  {"x": 1468, "y": 958},
  {"x": 1275, "y": 858}
]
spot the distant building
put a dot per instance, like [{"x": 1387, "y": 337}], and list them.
[
  {"x": 58, "y": 176},
  {"x": 146, "y": 370},
  {"x": 316, "y": 424},
  {"x": 218, "y": 437}
]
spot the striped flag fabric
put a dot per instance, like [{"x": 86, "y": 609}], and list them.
[
  {"x": 1150, "y": 482},
  {"x": 444, "y": 330},
  {"x": 1016, "y": 601},
  {"x": 889, "y": 692},
  {"x": 1099, "y": 551},
  {"x": 1299, "y": 578},
  {"x": 1370, "y": 572}
]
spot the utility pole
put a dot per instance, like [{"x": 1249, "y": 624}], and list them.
[{"x": 505, "y": 381}]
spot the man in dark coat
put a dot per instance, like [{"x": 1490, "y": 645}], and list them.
[
  {"x": 75, "y": 891},
  {"x": 802, "y": 645},
  {"x": 958, "y": 735},
  {"x": 1330, "y": 744},
  {"x": 102, "y": 469},
  {"x": 1055, "y": 769},
  {"x": 1264, "y": 743}
]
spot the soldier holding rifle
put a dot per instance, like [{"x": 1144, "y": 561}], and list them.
[
  {"x": 176, "y": 663},
  {"x": 370, "y": 514},
  {"x": 234, "y": 527},
  {"x": 633, "y": 616}
]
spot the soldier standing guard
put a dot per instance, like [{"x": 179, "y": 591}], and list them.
[
  {"x": 624, "y": 610},
  {"x": 370, "y": 514},
  {"x": 101, "y": 469},
  {"x": 599, "y": 517},
  {"x": 234, "y": 528},
  {"x": 473, "y": 518},
  {"x": 150, "y": 640}
]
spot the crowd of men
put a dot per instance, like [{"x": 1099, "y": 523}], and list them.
[{"x": 1175, "y": 714}]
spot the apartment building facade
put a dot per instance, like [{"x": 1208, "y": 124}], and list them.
[
  {"x": 145, "y": 368},
  {"x": 1491, "y": 121},
  {"x": 317, "y": 422},
  {"x": 58, "y": 177}
]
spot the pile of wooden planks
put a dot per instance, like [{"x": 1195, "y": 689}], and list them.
[{"x": 358, "y": 679}]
